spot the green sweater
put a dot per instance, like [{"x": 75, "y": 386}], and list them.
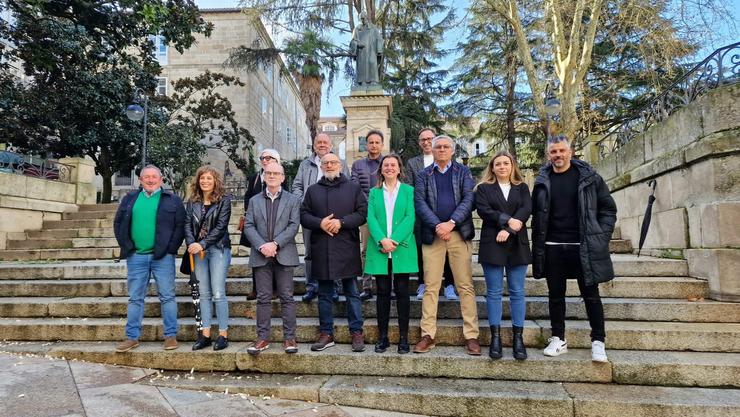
[{"x": 144, "y": 221}]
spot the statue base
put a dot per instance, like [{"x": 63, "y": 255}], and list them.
[
  {"x": 369, "y": 90},
  {"x": 366, "y": 109}
]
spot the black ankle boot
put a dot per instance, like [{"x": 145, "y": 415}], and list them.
[
  {"x": 382, "y": 344},
  {"x": 520, "y": 352},
  {"x": 494, "y": 351},
  {"x": 202, "y": 342},
  {"x": 403, "y": 345}
]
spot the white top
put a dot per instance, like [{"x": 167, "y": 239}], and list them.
[
  {"x": 272, "y": 196},
  {"x": 428, "y": 159},
  {"x": 318, "y": 165},
  {"x": 505, "y": 188},
  {"x": 389, "y": 198}
]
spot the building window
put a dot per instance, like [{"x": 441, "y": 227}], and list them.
[
  {"x": 161, "y": 86},
  {"x": 477, "y": 148},
  {"x": 268, "y": 71},
  {"x": 289, "y": 134},
  {"x": 329, "y": 127},
  {"x": 123, "y": 179},
  {"x": 160, "y": 49},
  {"x": 363, "y": 144}
]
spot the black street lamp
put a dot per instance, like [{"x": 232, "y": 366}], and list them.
[{"x": 135, "y": 113}]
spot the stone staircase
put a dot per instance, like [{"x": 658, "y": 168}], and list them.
[{"x": 672, "y": 351}]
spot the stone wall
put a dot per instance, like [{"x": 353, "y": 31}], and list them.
[
  {"x": 694, "y": 156},
  {"x": 25, "y": 202}
]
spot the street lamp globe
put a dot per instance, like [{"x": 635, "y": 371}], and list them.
[
  {"x": 552, "y": 106},
  {"x": 134, "y": 112}
]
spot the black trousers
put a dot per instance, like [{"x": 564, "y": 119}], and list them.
[
  {"x": 563, "y": 262},
  {"x": 446, "y": 276},
  {"x": 383, "y": 302}
]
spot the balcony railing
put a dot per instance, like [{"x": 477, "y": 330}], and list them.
[
  {"x": 31, "y": 166},
  {"x": 720, "y": 68}
]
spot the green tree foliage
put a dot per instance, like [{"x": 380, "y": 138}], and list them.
[
  {"x": 178, "y": 150},
  {"x": 84, "y": 60}
]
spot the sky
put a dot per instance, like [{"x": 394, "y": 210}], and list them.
[{"x": 331, "y": 105}]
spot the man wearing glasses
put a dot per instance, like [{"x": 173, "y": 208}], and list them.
[
  {"x": 333, "y": 210},
  {"x": 443, "y": 195},
  {"x": 573, "y": 216},
  {"x": 309, "y": 172}
]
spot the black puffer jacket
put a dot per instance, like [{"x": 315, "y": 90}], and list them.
[
  {"x": 597, "y": 214},
  {"x": 217, "y": 223}
]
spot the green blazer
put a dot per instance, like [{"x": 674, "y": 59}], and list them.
[{"x": 404, "y": 215}]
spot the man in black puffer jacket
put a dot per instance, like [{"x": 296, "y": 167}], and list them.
[{"x": 573, "y": 218}]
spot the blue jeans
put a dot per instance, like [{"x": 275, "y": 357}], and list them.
[
  {"x": 515, "y": 275},
  {"x": 354, "y": 307},
  {"x": 211, "y": 273},
  {"x": 140, "y": 268}
]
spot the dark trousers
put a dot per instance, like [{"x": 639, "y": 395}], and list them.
[
  {"x": 383, "y": 302},
  {"x": 263, "y": 278},
  {"x": 326, "y": 305},
  {"x": 447, "y": 276},
  {"x": 563, "y": 262}
]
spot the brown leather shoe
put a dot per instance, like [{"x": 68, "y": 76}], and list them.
[
  {"x": 170, "y": 343},
  {"x": 127, "y": 345},
  {"x": 425, "y": 344},
  {"x": 258, "y": 347},
  {"x": 252, "y": 295},
  {"x": 358, "y": 342},
  {"x": 325, "y": 341},
  {"x": 472, "y": 347},
  {"x": 290, "y": 346}
]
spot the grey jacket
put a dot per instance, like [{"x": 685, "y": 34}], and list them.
[
  {"x": 413, "y": 166},
  {"x": 306, "y": 175},
  {"x": 286, "y": 227}
]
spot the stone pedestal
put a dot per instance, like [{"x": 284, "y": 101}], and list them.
[
  {"x": 82, "y": 175},
  {"x": 366, "y": 111}
]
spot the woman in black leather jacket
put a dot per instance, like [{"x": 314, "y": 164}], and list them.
[{"x": 208, "y": 210}]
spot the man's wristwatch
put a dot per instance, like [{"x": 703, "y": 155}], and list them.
[
  {"x": 452, "y": 221},
  {"x": 276, "y": 244}
]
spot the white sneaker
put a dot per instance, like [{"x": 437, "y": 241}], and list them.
[
  {"x": 450, "y": 293},
  {"x": 598, "y": 351},
  {"x": 420, "y": 292},
  {"x": 556, "y": 347}
]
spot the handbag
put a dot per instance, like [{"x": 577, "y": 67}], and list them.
[{"x": 185, "y": 264}]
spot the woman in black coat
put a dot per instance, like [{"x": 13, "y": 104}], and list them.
[{"x": 504, "y": 203}]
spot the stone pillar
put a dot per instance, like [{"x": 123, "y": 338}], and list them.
[
  {"x": 82, "y": 175},
  {"x": 366, "y": 111},
  {"x": 591, "y": 149}
]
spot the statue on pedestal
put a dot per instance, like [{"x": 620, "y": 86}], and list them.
[{"x": 367, "y": 48}]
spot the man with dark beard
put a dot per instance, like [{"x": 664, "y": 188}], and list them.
[{"x": 333, "y": 210}]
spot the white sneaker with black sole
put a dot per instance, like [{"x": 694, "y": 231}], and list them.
[
  {"x": 598, "y": 351},
  {"x": 556, "y": 347}
]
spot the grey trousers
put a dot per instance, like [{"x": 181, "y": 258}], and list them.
[{"x": 263, "y": 276}]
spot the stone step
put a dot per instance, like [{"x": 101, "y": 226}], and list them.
[
  {"x": 621, "y": 335},
  {"x": 60, "y": 243},
  {"x": 98, "y": 207},
  {"x": 625, "y": 287},
  {"x": 629, "y": 309},
  {"x": 73, "y": 224},
  {"x": 58, "y": 254},
  {"x": 691, "y": 369},
  {"x": 89, "y": 214},
  {"x": 624, "y": 265}
]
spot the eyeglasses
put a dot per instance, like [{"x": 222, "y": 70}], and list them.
[
  {"x": 425, "y": 139},
  {"x": 267, "y": 158},
  {"x": 272, "y": 173},
  {"x": 329, "y": 163}
]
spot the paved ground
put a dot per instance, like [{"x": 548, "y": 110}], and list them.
[{"x": 36, "y": 386}]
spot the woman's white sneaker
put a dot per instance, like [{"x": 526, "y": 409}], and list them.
[
  {"x": 556, "y": 347},
  {"x": 598, "y": 351}
]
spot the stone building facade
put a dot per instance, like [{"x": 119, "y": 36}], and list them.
[{"x": 268, "y": 105}]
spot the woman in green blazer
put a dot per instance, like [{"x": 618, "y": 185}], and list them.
[{"x": 391, "y": 250}]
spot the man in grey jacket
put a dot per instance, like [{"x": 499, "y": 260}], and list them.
[
  {"x": 309, "y": 172},
  {"x": 365, "y": 174},
  {"x": 271, "y": 225}
]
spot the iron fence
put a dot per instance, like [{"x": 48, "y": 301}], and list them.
[
  {"x": 721, "y": 67},
  {"x": 31, "y": 166}
]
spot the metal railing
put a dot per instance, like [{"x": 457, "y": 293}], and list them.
[
  {"x": 31, "y": 166},
  {"x": 721, "y": 67}
]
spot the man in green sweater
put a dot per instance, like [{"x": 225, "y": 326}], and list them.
[{"x": 149, "y": 228}]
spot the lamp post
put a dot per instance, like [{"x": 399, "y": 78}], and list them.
[
  {"x": 134, "y": 112},
  {"x": 552, "y": 108}
]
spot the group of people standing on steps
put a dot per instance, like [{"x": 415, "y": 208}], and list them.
[{"x": 373, "y": 222}]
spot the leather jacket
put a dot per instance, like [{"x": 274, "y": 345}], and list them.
[{"x": 216, "y": 220}]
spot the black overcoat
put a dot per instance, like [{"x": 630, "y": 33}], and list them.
[
  {"x": 496, "y": 211},
  {"x": 338, "y": 256}
]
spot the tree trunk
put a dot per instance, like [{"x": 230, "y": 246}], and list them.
[
  {"x": 310, "y": 90},
  {"x": 511, "y": 72},
  {"x": 107, "y": 187}
]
